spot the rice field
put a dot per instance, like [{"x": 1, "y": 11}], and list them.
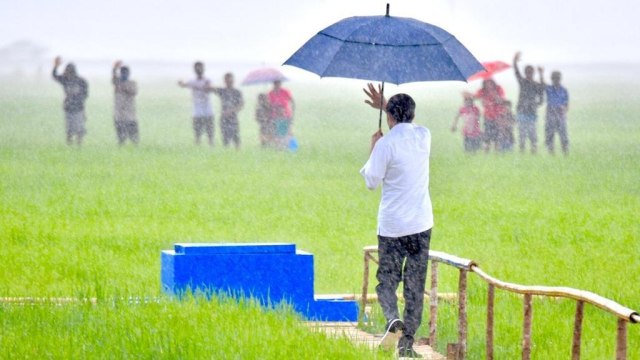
[{"x": 92, "y": 221}]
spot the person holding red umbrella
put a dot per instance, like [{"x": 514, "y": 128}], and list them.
[{"x": 282, "y": 108}]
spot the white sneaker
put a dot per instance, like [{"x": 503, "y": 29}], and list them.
[{"x": 392, "y": 335}]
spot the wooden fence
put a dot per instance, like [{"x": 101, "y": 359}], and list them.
[{"x": 458, "y": 350}]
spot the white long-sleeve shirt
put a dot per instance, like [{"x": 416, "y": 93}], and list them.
[
  {"x": 400, "y": 162},
  {"x": 201, "y": 103}
]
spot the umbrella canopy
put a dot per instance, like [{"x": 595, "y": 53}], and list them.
[
  {"x": 388, "y": 49},
  {"x": 264, "y": 75},
  {"x": 490, "y": 68}
]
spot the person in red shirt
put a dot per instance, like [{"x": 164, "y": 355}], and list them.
[
  {"x": 282, "y": 107},
  {"x": 492, "y": 97},
  {"x": 471, "y": 131}
]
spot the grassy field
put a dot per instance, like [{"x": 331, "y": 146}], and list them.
[{"x": 92, "y": 221}]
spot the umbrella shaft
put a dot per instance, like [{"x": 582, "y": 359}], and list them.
[{"x": 381, "y": 104}]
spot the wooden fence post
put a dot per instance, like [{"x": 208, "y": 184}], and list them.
[
  {"x": 490, "y": 303},
  {"x": 621, "y": 344},
  {"x": 433, "y": 301},
  {"x": 462, "y": 314},
  {"x": 577, "y": 331},
  {"x": 365, "y": 284},
  {"x": 526, "y": 333}
]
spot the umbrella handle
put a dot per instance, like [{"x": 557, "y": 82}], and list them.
[{"x": 381, "y": 103}]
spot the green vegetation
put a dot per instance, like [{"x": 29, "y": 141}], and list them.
[
  {"x": 91, "y": 222},
  {"x": 194, "y": 328}
]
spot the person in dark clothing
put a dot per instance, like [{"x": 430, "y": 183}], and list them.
[
  {"x": 76, "y": 92},
  {"x": 557, "y": 108},
  {"x": 530, "y": 98},
  {"x": 263, "y": 117},
  {"x": 232, "y": 103}
]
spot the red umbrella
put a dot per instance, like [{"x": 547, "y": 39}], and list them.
[
  {"x": 491, "y": 68},
  {"x": 264, "y": 75}
]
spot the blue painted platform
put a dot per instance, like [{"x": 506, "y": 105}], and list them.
[{"x": 270, "y": 273}]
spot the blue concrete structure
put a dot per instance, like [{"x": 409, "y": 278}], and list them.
[{"x": 270, "y": 273}]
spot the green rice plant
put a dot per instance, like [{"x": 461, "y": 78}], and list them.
[{"x": 194, "y": 327}]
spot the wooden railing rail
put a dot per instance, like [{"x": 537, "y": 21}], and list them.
[
  {"x": 564, "y": 292},
  {"x": 458, "y": 350}
]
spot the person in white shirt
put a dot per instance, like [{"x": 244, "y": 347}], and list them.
[
  {"x": 399, "y": 161},
  {"x": 202, "y": 110}
]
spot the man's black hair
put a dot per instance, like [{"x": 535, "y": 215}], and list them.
[{"x": 402, "y": 108}]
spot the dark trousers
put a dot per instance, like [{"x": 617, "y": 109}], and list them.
[
  {"x": 203, "y": 125},
  {"x": 403, "y": 259},
  {"x": 127, "y": 130},
  {"x": 230, "y": 130},
  {"x": 556, "y": 123}
]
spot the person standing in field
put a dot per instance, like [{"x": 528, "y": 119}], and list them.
[
  {"x": 202, "y": 110},
  {"x": 399, "y": 161},
  {"x": 557, "y": 108},
  {"x": 76, "y": 91},
  {"x": 263, "y": 117},
  {"x": 505, "y": 127},
  {"x": 471, "y": 131},
  {"x": 492, "y": 96},
  {"x": 232, "y": 103},
  {"x": 124, "y": 114},
  {"x": 530, "y": 98},
  {"x": 282, "y": 108}
]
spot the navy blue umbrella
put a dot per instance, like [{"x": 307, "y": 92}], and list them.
[{"x": 388, "y": 49}]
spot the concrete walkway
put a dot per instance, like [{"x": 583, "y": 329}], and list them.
[{"x": 357, "y": 336}]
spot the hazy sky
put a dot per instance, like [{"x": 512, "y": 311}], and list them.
[{"x": 269, "y": 31}]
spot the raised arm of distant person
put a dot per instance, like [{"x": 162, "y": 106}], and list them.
[
  {"x": 56, "y": 63},
  {"x": 516, "y": 70},
  {"x": 115, "y": 79},
  {"x": 236, "y": 106},
  {"x": 194, "y": 85},
  {"x": 541, "y": 73},
  {"x": 542, "y": 85}
]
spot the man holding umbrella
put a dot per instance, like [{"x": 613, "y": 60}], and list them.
[
  {"x": 394, "y": 50},
  {"x": 400, "y": 162}
]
